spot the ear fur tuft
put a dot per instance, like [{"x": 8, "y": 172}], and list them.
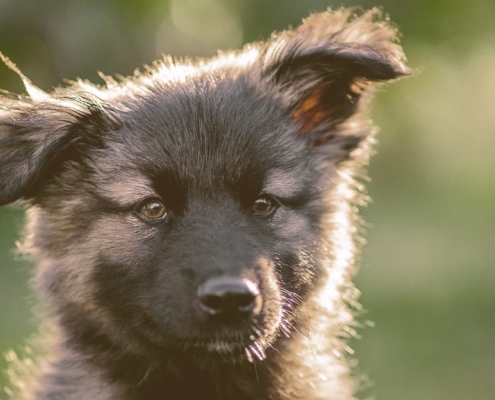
[{"x": 33, "y": 91}]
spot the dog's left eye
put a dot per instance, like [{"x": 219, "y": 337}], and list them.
[
  {"x": 152, "y": 209},
  {"x": 263, "y": 206}
]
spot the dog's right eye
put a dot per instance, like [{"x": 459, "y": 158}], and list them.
[
  {"x": 263, "y": 206},
  {"x": 153, "y": 209}
]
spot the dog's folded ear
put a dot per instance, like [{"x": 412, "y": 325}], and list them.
[
  {"x": 36, "y": 134},
  {"x": 32, "y": 135},
  {"x": 324, "y": 70}
]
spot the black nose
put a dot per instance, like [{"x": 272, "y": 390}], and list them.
[{"x": 229, "y": 298}]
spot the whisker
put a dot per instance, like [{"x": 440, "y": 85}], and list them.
[
  {"x": 144, "y": 377},
  {"x": 249, "y": 356}
]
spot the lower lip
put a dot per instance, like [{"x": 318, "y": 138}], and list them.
[{"x": 223, "y": 347}]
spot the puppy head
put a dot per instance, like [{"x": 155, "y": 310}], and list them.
[{"x": 183, "y": 207}]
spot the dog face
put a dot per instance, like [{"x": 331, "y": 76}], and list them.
[
  {"x": 225, "y": 189},
  {"x": 184, "y": 209}
]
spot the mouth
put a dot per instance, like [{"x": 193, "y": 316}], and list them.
[
  {"x": 253, "y": 351},
  {"x": 229, "y": 348}
]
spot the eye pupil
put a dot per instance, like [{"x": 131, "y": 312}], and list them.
[
  {"x": 153, "y": 209},
  {"x": 263, "y": 205}
]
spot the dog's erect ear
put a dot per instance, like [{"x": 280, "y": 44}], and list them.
[{"x": 323, "y": 70}]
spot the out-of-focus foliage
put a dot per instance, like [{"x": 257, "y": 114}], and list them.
[{"x": 428, "y": 277}]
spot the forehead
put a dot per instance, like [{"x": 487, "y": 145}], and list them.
[{"x": 204, "y": 131}]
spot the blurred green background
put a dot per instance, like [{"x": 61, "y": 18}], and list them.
[{"x": 428, "y": 276}]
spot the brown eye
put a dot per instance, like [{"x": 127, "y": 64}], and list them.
[
  {"x": 153, "y": 209},
  {"x": 263, "y": 206}
]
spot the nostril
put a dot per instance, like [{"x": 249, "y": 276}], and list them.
[
  {"x": 244, "y": 302},
  {"x": 230, "y": 297},
  {"x": 212, "y": 303}
]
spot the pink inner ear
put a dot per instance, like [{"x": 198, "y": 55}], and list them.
[{"x": 310, "y": 112}]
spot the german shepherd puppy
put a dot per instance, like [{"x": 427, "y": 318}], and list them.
[{"x": 194, "y": 224}]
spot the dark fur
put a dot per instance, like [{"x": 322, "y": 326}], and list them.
[{"x": 283, "y": 118}]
